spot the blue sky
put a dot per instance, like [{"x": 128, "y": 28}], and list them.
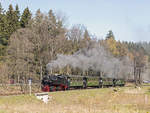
[{"x": 128, "y": 19}]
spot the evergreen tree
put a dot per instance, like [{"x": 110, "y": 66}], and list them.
[
  {"x": 1, "y": 9},
  {"x": 86, "y": 35},
  {"x": 39, "y": 16},
  {"x": 17, "y": 12},
  {"x": 1, "y": 21},
  {"x": 2, "y": 32},
  {"x": 26, "y": 16},
  {"x": 11, "y": 21},
  {"x": 17, "y": 17},
  {"x": 52, "y": 25},
  {"x": 56, "y": 25},
  {"x": 52, "y": 17},
  {"x": 110, "y": 35}
]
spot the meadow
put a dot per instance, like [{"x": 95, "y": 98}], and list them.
[{"x": 105, "y": 100}]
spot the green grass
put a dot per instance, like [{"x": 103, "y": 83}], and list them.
[{"x": 106, "y": 100}]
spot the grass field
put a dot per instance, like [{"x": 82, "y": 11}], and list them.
[{"x": 106, "y": 100}]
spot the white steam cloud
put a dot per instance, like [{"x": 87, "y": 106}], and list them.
[{"x": 97, "y": 59}]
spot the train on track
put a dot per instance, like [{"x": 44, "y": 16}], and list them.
[{"x": 65, "y": 82}]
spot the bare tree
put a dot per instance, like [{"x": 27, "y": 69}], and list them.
[
  {"x": 21, "y": 55},
  {"x": 32, "y": 48}
]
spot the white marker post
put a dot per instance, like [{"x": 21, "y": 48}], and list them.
[{"x": 30, "y": 82}]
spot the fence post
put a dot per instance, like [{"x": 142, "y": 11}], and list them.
[{"x": 30, "y": 89}]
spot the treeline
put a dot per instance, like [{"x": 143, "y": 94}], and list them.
[{"x": 28, "y": 43}]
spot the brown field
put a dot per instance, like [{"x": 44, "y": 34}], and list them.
[
  {"x": 106, "y": 100},
  {"x": 7, "y": 89}
]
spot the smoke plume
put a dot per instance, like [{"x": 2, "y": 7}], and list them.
[{"x": 96, "y": 58}]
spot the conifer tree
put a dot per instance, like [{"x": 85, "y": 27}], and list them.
[
  {"x": 17, "y": 17},
  {"x": 86, "y": 35},
  {"x": 52, "y": 26},
  {"x": 1, "y": 9},
  {"x": 3, "y": 27},
  {"x": 9, "y": 23},
  {"x": 26, "y": 16},
  {"x": 110, "y": 35},
  {"x": 39, "y": 16},
  {"x": 2, "y": 32},
  {"x": 1, "y": 20},
  {"x": 10, "y": 17}
]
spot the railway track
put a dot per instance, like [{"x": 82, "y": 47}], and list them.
[{"x": 71, "y": 88}]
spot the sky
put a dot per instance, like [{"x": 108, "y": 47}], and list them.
[{"x": 128, "y": 19}]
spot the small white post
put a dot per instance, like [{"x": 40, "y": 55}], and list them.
[{"x": 30, "y": 89}]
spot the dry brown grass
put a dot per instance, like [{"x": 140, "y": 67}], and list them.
[
  {"x": 124, "y": 100},
  {"x": 16, "y": 89}
]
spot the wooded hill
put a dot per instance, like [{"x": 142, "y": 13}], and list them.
[{"x": 28, "y": 43}]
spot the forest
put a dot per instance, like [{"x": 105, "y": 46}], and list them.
[{"x": 32, "y": 46}]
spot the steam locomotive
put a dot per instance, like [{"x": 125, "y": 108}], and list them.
[{"x": 65, "y": 82}]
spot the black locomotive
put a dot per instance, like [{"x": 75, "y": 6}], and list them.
[{"x": 55, "y": 83}]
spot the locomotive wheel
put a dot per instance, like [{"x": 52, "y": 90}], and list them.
[
  {"x": 58, "y": 88},
  {"x": 46, "y": 88},
  {"x": 100, "y": 85},
  {"x": 67, "y": 88},
  {"x": 84, "y": 84},
  {"x": 54, "y": 88},
  {"x": 51, "y": 88},
  {"x": 64, "y": 88}
]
